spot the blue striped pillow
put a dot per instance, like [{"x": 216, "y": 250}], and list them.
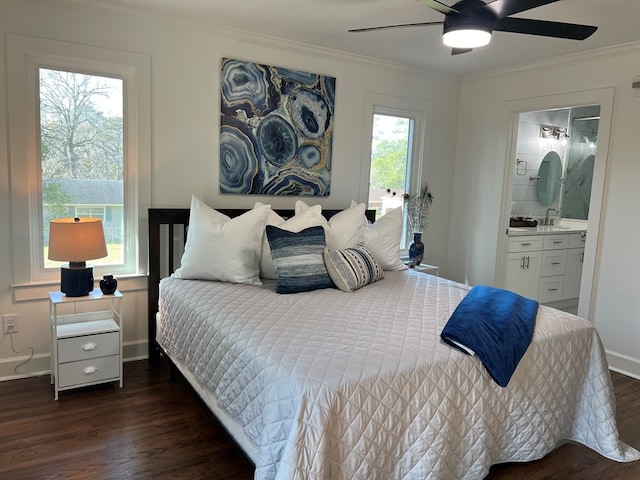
[
  {"x": 352, "y": 268},
  {"x": 298, "y": 258}
]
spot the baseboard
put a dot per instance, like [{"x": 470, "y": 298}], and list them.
[
  {"x": 40, "y": 364},
  {"x": 138, "y": 350},
  {"x": 13, "y": 368},
  {"x": 623, "y": 364}
]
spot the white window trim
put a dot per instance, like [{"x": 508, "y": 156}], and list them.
[
  {"x": 421, "y": 112},
  {"x": 24, "y": 56}
]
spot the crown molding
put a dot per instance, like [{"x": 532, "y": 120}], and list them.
[
  {"x": 564, "y": 60},
  {"x": 253, "y": 37}
]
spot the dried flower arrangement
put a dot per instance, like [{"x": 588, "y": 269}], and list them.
[{"x": 416, "y": 207}]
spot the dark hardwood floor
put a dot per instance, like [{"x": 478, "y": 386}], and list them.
[
  {"x": 155, "y": 429},
  {"x": 148, "y": 429}
]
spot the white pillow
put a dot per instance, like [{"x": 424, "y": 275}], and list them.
[
  {"x": 220, "y": 248},
  {"x": 311, "y": 217},
  {"x": 383, "y": 237},
  {"x": 345, "y": 229}
]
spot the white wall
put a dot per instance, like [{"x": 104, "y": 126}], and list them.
[
  {"x": 483, "y": 135},
  {"x": 185, "y": 61}
]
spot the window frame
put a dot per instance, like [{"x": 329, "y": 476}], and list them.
[
  {"x": 421, "y": 113},
  {"x": 26, "y": 55}
]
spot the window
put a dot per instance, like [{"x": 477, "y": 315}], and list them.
[
  {"x": 81, "y": 153},
  {"x": 395, "y": 151},
  {"x": 390, "y": 161},
  {"x": 94, "y": 212},
  {"x": 79, "y": 146}
]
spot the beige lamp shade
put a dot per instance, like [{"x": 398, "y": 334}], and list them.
[{"x": 76, "y": 240}]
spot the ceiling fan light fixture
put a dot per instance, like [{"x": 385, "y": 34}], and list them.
[{"x": 467, "y": 37}]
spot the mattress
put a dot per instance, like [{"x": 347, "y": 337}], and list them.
[{"x": 327, "y": 384}]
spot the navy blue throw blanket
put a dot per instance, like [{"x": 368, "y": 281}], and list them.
[{"x": 497, "y": 325}]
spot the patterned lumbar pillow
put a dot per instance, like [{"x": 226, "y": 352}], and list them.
[
  {"x": 352, "y": 268},
  {"x": 298, "y": 258}
]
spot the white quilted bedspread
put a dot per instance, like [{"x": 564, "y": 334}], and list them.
[{"x": 331, "y": 385}]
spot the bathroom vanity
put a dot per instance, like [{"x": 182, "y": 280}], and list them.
[{"x": 545, "y": 262}]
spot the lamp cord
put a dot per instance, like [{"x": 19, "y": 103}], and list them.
[{"x": 15, "y": 369}]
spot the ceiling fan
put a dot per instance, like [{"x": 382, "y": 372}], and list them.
[{"x": 469, "y": 23}]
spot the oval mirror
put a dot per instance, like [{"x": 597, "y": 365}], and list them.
[{"x": 549, "y": 175}]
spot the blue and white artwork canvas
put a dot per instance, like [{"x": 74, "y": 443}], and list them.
[{"x": 276, "y": 130}]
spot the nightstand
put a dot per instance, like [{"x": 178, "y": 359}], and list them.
[
  {"x": 86, "y": 346},
  {"x": 426, "y": 268}
]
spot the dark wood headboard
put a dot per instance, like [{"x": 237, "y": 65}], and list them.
[{"x": 167, "y": 235}]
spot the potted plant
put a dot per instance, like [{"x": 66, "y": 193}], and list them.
[{"x": 416, "y": 208}]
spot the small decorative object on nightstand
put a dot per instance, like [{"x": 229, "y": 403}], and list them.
[
  {"x": 108, "y": 285},
  {"x": 416, "y": 250},
  {"x": 416, "y": 208},
  {"x": 86, "y": 348}
]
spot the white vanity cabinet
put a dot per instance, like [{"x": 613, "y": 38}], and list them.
[
  {"x": 554, "y": 264},
  {"x": 523, "y": 265},
  {"x": 545, "y": 266}
]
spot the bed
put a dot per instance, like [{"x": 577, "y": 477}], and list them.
[{"x": 327, "y": 384}]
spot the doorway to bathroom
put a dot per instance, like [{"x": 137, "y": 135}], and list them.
[
  {"x": 555, "y": 159},
  {"x": 553, "y": 190}
]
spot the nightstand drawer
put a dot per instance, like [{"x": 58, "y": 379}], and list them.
[
  {"x": 88, "y": 346},
  {"x": 94, "y": 370}
]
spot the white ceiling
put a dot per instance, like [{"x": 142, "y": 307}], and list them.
[{"x": 325, "y": 23}]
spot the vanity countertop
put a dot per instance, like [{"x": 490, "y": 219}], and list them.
[{"x": 545, "y": 230}]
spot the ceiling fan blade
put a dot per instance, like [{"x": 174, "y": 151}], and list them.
[
  {"x": 504, "y": 8},
  {"x": 402, "y": 25},
  {"x": 544, "y": 28},
  {"x": 438, "y": 6},
  {"x": 459, "y": 51}
]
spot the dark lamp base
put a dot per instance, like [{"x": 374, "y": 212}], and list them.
[{"x": 76, "y": 282}]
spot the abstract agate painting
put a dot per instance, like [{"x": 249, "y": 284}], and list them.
[{"x": 276, "y": 130}]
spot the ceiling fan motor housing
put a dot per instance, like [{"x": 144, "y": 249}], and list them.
[{"x": 473, "y": 14}]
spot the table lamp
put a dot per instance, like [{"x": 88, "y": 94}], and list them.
[{"x": 76, "y": 240}]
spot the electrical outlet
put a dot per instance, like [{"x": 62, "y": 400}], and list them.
[{"x": 10, "y": 322}]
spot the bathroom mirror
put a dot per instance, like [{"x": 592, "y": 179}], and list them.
[{"x": 549, "y": 178}]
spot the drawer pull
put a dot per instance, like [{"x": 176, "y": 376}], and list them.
[
  {"x": 553, "y": 289},
  {"x": 89, "y": 346},
  {"x": 89, "y": 370},
  {"x": 526, "y": 244},
  {"x": 556, "y": 263},
  {"x": 557, "y": 242}
]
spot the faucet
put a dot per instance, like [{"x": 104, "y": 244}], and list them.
[{"x": 546, "y": 216}]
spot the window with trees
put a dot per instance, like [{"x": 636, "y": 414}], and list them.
[
  {"x": 396, "y": 143},
  {"x": 390, "y": 161},
  {"x": 79, "y": 145},
  {"x": 81, "y": 153}
]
